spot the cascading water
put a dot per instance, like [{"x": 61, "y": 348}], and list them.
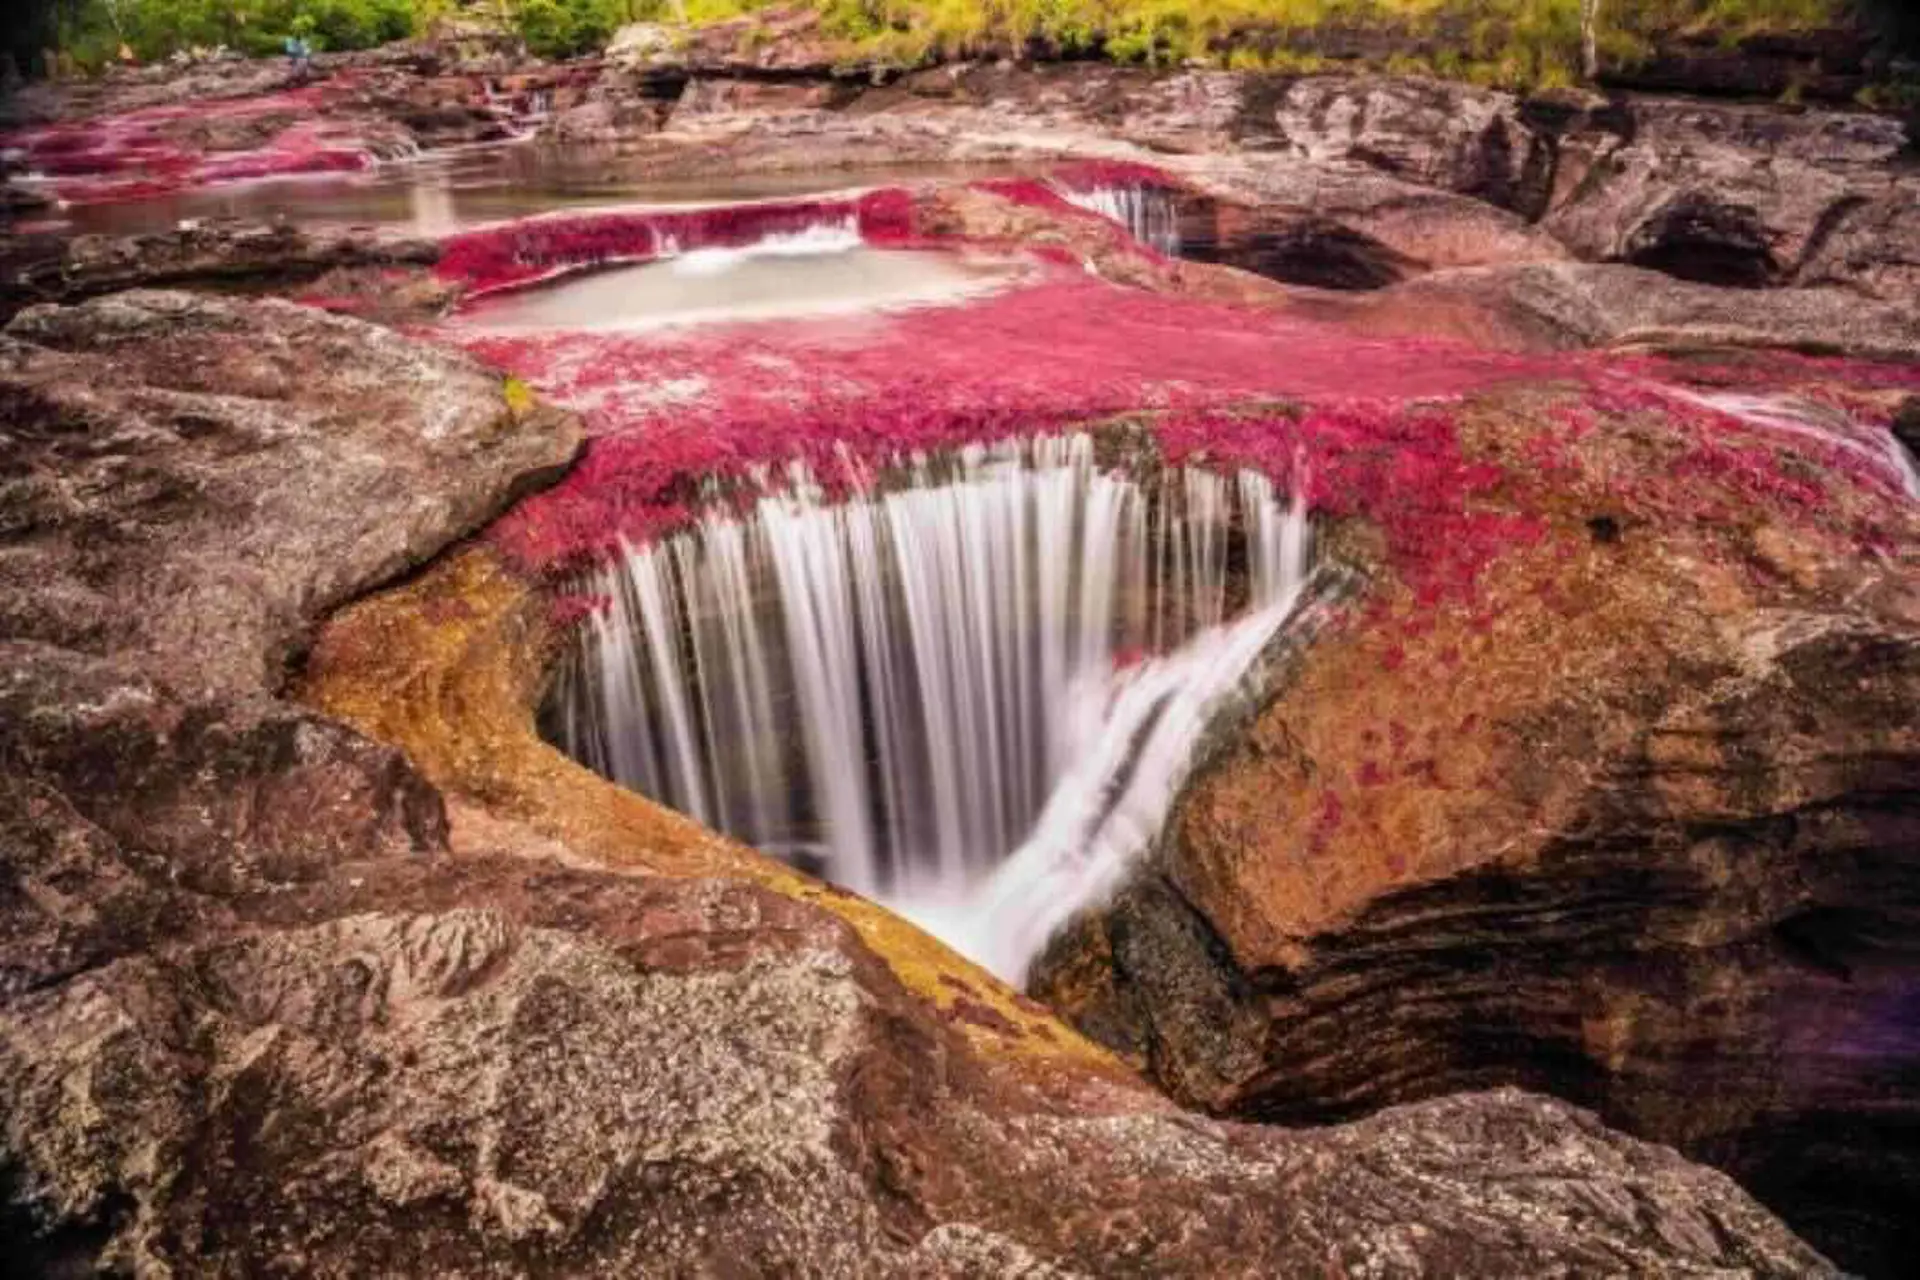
[
  {"x": 904, "y": 688},
  {"x": 1148, "y": 213},
  {"x": 1793, "y": 416},
  {"x": 835, "y": 235},
  {"x": 823, "y": 268}
]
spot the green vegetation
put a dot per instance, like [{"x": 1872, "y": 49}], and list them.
[
  {"x": 1519, "y": 42},
  {"x": 90, "y": 33},
  {"x": 1516, "y": 42},
  {"x": 563, "y": 28}
]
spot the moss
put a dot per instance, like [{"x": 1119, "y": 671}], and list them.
[{"x": 518, "y": 395}]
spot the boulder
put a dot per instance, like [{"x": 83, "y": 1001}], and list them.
[
  {"x": 221, "y": 253},
  {"x": 1572, "y": 305},
  {"x": 773, "y": 41},
  {"x": 483, "y": 1063},
  {"x": 1435, "y": 133},
  {"x": 196, "y": 479},
  {"x": 1742, "y": 196}
]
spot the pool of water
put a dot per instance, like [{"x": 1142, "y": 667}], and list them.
[
  {"x": 450, "y": 190},
  {"x": 809, "y": 274}
]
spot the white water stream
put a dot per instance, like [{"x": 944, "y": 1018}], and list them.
[
  {"x": 937, "y": 694},
  {"x": 1147, "y": 213},
  {"x": 1878, "y": 447}
]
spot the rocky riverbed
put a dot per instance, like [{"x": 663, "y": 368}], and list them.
[{"x": 1602, "y": 783}]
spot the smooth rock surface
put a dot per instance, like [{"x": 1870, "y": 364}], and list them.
[{"x": 195, "y": 479}]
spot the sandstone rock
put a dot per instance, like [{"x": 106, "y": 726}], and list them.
[
  {"x": 147, "y": 428},
  {"x": 256, "y": 1015},
  {"x": 775, "y": 40},
  {"x": 483, "y": 1065},
  {"x": 1637, "y": 826},
  {"x": 1738, "y": 195},
  {"x": 1434, "y": 133},
  {"x": 50, "y": 269},
  {"x": 1563, "y": 305}
]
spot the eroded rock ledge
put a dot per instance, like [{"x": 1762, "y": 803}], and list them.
[
  {"x": 1636, "y": 826},
  {"x": 261, "y": 1011}
]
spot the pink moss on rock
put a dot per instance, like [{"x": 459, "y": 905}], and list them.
[
  {"x": 521, "y": 252},
  {"x": 161, "y": 149},
  {"x": 1372, "y": 428},
  {"x": 1091, "y": 175}
]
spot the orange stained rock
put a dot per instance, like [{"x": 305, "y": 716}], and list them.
[{"x": 450, "y": 668}]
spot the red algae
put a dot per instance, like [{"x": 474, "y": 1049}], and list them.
[
  {"x": 1366, "y": 427},
  {"x": 538, "y": 248},
  {"x": 158, "y": 150},
  {"x": 1090, "y": 175}
]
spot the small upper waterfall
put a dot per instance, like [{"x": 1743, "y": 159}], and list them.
[
  {"x": 1876, "y": 447},
  {"x": 1008, "y": 649},
  {"x": 837, "y": 234},
  {"x": 1148, "y": 213}
]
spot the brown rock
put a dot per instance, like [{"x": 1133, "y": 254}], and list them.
[
  {"x": 220, "y": 254},
  {"x": 148, "y": 427},
  {"x": 1568, "y": 305},
  {"x": 255, "y": 1014},
  {"x": 1744, "y": 196},
  {"x": 1645, "y": 837},
  {"x": 1433, "y": 133}
]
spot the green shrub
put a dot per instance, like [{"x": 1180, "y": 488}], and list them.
[
  {"x": 566, "y": 28},
  {"x": 92, "y": 31}
]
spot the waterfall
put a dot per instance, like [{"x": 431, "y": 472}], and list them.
[
  {"x": 1148, "y": 213},
  {"x": 1878, "y": 448},
  {"x": 1136, "y": 737},
  {"x": 835, "y": 235},
  {"x": 904, "y": 688}
]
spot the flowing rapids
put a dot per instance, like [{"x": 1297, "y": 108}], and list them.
[
  {"x": 939, "y": 693},
  {"x": 1148, "y": 214}
]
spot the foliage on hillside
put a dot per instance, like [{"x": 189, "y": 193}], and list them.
[
  {"x": 91, "y": 33},
  {"x": 1520, "y": 42},
  {"x": 1528, "y": 42}
]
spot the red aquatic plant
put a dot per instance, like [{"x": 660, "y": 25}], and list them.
[
  {"x": 534, "y": 248},
  {"x": 161, "y": 149}
]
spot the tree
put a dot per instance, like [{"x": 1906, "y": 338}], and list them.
[{"x": 31, "y": 30}]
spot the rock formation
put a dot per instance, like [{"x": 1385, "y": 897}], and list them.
[
  {"x": 1635, "y": 827},
  {"x": 260, "y": 1013},
  {"x": 315, "y": 957}
]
